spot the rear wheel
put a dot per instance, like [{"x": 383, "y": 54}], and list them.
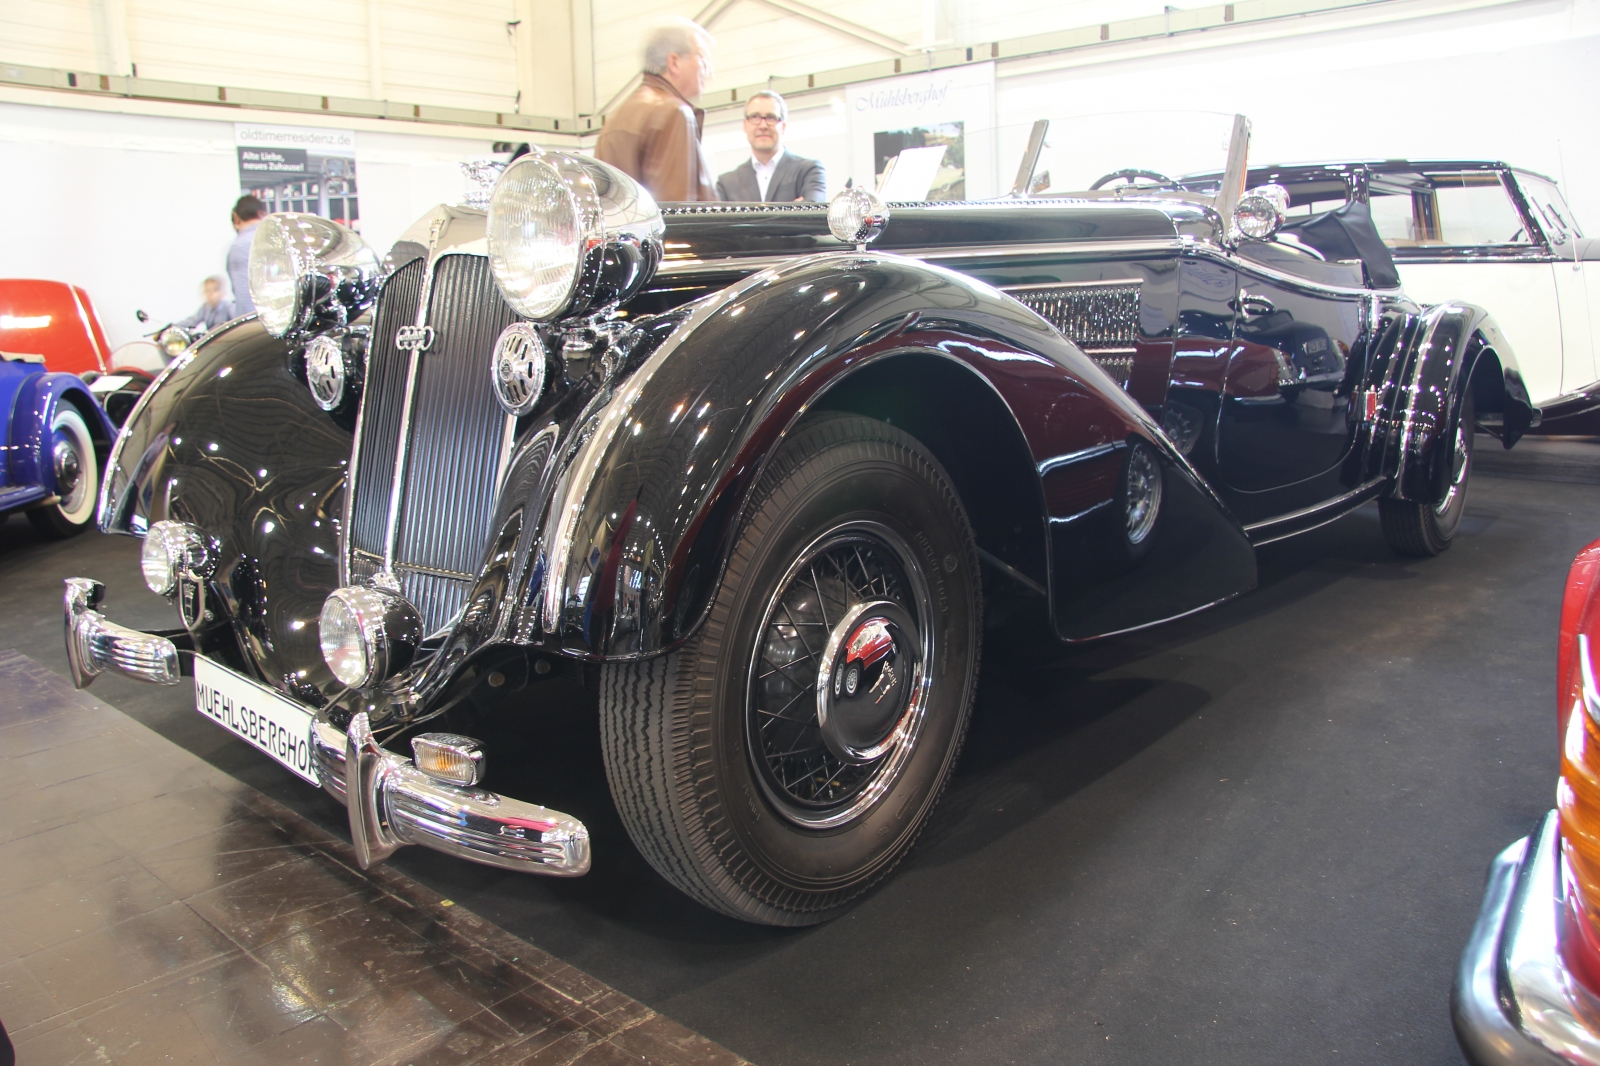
[
  {"x": 77, "y": 476},
  {"x": 785, "y": 758},
  {"x": 1423, "y": 529}
]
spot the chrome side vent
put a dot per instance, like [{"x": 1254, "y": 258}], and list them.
[{"x": 1100, "y": 317}]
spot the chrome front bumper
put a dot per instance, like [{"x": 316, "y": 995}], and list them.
[
  {"x": 396, "y": 803},
  {"x": 1514, "y": 1003}
]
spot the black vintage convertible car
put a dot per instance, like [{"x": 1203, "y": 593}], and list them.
[{"x": 755, "y": 471}]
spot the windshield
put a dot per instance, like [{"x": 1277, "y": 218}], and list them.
[
  {"x": 1134, "y": 150},
  {"x": 910, "y": 157}
]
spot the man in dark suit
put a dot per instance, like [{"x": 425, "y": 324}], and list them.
[{"x": 771, "y": 175}]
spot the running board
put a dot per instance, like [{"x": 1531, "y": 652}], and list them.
[{"x": 1288, "y": 525}]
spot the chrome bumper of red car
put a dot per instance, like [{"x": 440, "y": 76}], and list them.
[{"x": 1514, "y": 1003}]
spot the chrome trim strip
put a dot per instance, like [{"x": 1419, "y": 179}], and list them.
[
  {"x": 1012, "y": 572},
  {"x": 1086, "y": 512},
  {"x": 1047, "y": 465},
  {"x": 694, "y": 267},
  {"x": 1130, "y": 248},
  {"x": 1326, "y": 512},
  {"x": 347, "y": 556},
  {"x": 418, "y": 568},
  {"x": 402, "y": 449},
  {"x": 503, "y": 465},
  {"x": 1106, "y": 284}
]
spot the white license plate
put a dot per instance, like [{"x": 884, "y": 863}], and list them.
[{"x": 269, "y": 720}]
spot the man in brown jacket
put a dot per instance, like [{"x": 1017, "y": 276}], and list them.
[{"x": 655, "y": 135}]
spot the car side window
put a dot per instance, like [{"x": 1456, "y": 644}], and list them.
[
  {"x": 1394, "y": 217},
  {"x": 1432, "y": 210},
  {"x": 1554, "y": 217},
  {"x": 1475, "y": 209}
]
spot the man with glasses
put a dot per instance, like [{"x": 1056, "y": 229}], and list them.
[
  {"x": 771, "y": 175},
  {"x": 654, "y": 137}
]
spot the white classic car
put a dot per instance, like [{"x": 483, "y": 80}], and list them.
[{"x": 1488, "y": 233}]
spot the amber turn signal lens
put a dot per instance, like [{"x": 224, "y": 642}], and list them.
[{"x": 447, "y": 757}]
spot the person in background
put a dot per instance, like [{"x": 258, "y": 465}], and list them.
[
  {"x": 654, "y": 137},
  {"x": 247, "y": 214},
  {"x": 214, "y": 312},
  {"x": 771, "y": 174}
]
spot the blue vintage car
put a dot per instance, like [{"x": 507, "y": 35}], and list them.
[{"x": 55, "y": 438}]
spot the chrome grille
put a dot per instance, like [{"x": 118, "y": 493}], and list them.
[
  {"x": 381, "y": 401},
  {"x": 1100, "y": 318},
  {"x": 458, "y": 435}
]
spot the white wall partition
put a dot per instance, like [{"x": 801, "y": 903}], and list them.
[{"x": 135, "y": 207}]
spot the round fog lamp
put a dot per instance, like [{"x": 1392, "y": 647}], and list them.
[
  {"x": 367, "y": 634},
  {"x": 170, "y": 550},
  {"x": 160, "y": 557}
]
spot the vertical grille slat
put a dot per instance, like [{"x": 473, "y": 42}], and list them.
[
  {"x": 381, "y": 401},
  {"x": 1103, "y": 320},
  {"x": 457, "y": 431}
]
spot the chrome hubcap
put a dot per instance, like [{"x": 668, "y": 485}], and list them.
[
  {"x": 1461, "y": 468},
  {"x": 1144, "y": 493},
  {"x": 69, "y": 468},
  {"x": 838, "y": 690}
]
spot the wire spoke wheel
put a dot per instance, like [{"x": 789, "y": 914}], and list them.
[
  {"x": 785, "y": 757},
  {"x": 841, "y": 587}
]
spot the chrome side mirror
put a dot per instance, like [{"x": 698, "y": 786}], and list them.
[{"x": 1261, "y": 212}]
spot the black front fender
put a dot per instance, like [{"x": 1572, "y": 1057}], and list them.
[
  {"x": 230, "y": 440},
  {"x": 1455, "y": 347},
  {"x": 641, "y": 520}
]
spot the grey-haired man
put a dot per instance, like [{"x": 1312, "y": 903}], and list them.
[
  {"x": 654, "y": 136},
  {"x": 771, "y": 174}
]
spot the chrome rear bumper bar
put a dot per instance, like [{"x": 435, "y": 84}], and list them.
[
  {"x": 396, "y": 804},
  {"x": 95, "y": 644}
]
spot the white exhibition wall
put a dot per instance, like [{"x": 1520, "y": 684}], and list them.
[
  {"x": 1514, "y": 82},
  {"x": 135, "y": 207}
]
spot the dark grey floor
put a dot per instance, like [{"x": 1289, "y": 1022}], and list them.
[{"x": 1255, "y": 836}]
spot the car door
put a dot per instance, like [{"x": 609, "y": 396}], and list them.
[
  {"x": 1285, "y": 418},
  {"x": 1575, "y": 280},
  {"x": 1456, "y": 233}
]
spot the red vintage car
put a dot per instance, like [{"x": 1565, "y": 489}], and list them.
[
  {"x": 1528, "y": 987},
  {"x": 53, "y": 320}
]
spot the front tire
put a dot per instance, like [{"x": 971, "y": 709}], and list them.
[
  {"x": 1422, "y": 529},
  {"x": 751, "y": 792},
  {"x": 77, "y": 474}
]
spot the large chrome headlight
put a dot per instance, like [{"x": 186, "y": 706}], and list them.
[
  {"x": 367, "y": 634},
  {"x": 306, "y": 271},
  {"x": 570, "y": 236}
]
